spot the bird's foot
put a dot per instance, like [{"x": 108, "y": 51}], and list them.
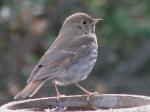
[
  {"x": 59, "y": 96},
  {"x": 89, "y": 94}
]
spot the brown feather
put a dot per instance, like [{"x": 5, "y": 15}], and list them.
[
  {"x": 55, "y": 61},
  {"x": 30, "y": 89}
]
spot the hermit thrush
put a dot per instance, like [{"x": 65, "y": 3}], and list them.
[{"x": 69, "y": 59}]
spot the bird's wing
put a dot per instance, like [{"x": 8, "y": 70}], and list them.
[{"x": 60, "y": 58}]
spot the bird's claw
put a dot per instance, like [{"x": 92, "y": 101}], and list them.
[{"x": 59, "y": 96}]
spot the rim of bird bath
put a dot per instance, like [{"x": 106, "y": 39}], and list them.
[{"x": 75, "y": 103}]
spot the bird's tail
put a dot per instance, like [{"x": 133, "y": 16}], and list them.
[{"x": 30, "y": 89}]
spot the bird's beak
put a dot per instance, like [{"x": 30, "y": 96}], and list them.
[{"x": 97, "y": 20}]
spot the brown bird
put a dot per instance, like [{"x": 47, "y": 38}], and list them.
[{"x": 69, "y": 59}]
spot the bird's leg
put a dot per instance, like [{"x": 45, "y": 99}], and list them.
[
  {"x": 59, "y": 107},
  {"x": 56, "y": 90},
  {"x": 88, "y": 94},
  {"x": 86, "y": 91}
]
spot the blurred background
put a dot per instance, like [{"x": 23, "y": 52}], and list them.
[{"x": 28, "y": 27}]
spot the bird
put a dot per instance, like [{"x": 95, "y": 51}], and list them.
[{"x": 69, "y": 59}]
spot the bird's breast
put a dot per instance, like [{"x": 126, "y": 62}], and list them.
[
  {"x": 93, "y": 53},
  {"x": 81, "y": 68}
]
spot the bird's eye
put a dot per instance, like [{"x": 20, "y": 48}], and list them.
[{"x": 84, "y": 22}]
